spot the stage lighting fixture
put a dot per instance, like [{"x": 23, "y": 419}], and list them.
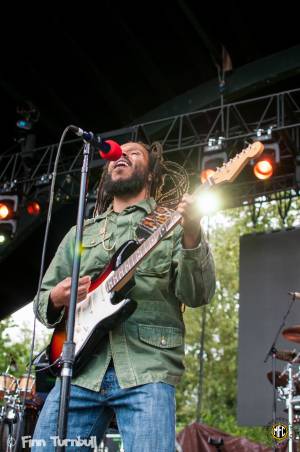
[
  {"x": 29, "y": 114},
  {"x": 8, "y": 206},
  {"x": 264, "y": 134},
  {"x": 7, "y": 231},
  {"x": 24, "y": 124},
  {"x": 8, "y": 187},
  {"x": 214, "y": 144},
  {"x": 45, "y": 179},
  {"x": 8, "y": 213},
  {"x": 210, "y": 163},
  {"x": 213, "y": 157},
  {"x": 5, "y": 211},
  {"x": 264, "y": 167},
  {"x": 33, "y": 208}
]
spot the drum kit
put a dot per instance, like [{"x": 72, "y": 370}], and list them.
[
  {"x": 18, "y": 410},
  {"x": 287, "y": 382}
]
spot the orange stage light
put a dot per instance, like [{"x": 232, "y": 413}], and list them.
[
  {"x": 263, "y": 169},
  {"x": 204, "y": 175},
  {"x": 6, "y": 211},
  {"x": 33, "y": 208}
]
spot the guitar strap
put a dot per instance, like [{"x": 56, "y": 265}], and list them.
[{"x": 152, "y": 222}]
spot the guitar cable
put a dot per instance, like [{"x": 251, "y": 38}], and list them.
[{"x": 49, "y": 214}]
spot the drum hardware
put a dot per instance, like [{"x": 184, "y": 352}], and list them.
[
  {"x": 290, "y": 407},
  {"x": 296, "y": 411},
  {"x": 8, "y": 384},
  {"x": 272, "y": 351},
  {"x": 26, "y": 387},
  {"x": 2, "y": 413},
  {"x": 19, "y": 397},
  {"x": 11, "y": 410},
  {"x": 292, "y": 334},
  {"x": 287, "y": 382},
  {"x": 287, "y": 391},
  {"x": 288, "y": 355},
  {"x": 281, "y": 379}
]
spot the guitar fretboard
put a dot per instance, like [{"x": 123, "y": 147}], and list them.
[{"x": 142, "y": 251}]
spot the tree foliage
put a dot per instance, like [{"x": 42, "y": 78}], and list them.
[
  {"x": 15, "y": 348},
  {"x": 18, "y": 351},
  {"x": 219, "y": 391}
]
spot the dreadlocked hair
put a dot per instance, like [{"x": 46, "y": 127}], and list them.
[{"x": 169, "y": 181}]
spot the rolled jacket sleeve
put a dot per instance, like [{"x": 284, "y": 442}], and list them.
[
  {"x": 59, "y": 269},
  {"x": 194, "y": 272}
]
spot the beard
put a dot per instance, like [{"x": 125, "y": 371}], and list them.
[{"x": 131, "y": 186}]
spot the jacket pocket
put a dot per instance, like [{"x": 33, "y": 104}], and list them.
[
  {"x": 158, "y": 262},
  {"x": 161, "y": 336},
  {"x": 95, "y": 255},
  {"x": 90, "y": 241}
]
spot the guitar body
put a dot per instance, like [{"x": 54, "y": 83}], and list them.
[{"x": 100, "y": 312}]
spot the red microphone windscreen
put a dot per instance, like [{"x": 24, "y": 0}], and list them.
[{"x": 114, "y": 152}]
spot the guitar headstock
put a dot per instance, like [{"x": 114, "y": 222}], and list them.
[{"x": 230, "y": 170}]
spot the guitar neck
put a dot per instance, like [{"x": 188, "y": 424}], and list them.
[
  {"x": 142, "y": 251},
  {"x": 148, "y": 245}
]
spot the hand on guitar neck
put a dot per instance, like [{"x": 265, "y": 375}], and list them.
[
  {"x": 189, "y": 210},
  {"x": 188, "y": 207},
  {"x": 60, "y": 294}
]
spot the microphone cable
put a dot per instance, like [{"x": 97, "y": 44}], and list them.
[{"x": 35, "y": 310}]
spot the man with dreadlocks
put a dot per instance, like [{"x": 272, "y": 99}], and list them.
[{"x": 134, "y": 369}]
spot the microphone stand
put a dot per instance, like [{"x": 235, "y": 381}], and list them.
[
  {"x": 68, "y": 352},
  {"x": 272, "y": 352}
]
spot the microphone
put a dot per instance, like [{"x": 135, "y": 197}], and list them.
[
  {"x": 295, "y": 295},
  {"x": 109, "y": 149}
]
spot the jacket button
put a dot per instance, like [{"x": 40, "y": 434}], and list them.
[{"x": 163, "y": 341}]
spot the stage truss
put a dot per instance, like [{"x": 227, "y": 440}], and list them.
[{"x": 185, "y": 138}]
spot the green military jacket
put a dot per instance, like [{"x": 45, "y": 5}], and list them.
[{"x": 149, "y": 346}]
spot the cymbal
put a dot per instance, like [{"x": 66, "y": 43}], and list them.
[
  {"x": 292, "y": 333},
  {"x": 280, "y": 380},
  {"x": 288, "y": 355}
]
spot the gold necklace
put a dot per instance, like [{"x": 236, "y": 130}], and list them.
[{"x": 104, "y": 232}]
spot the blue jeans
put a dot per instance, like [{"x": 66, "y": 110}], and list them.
[{"x": 145, "y": 416}]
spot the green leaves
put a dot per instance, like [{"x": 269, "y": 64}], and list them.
[
  {"x": 15, "y": 345},
  {"x": 219, "y": 392}
]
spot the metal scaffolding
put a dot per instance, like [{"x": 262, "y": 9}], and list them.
[{"x": 186, "y": 139}]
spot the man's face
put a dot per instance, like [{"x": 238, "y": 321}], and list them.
[{"x": 129, "y": 174}]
